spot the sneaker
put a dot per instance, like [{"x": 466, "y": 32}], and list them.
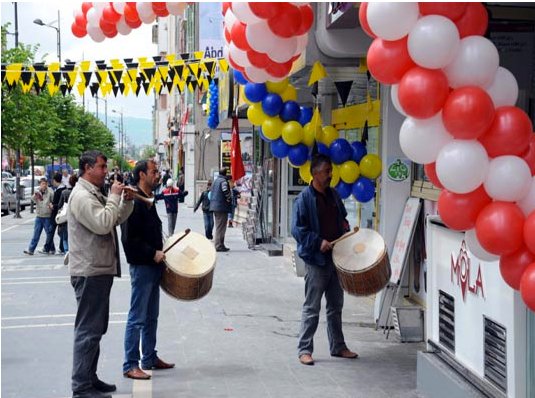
[
  {"x": 60, "y": 253},
  {"x": 28, "y": 252},
  {"x": 42, "y": 251}
]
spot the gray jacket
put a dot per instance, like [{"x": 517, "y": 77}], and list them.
[
  {"x": 91, "y": 222},
  {"x": 42, "y": 208}
]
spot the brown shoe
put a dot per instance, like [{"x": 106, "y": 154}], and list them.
[
  {"x": 346, "y": 353},
  {"x": 161, "y": 365},
  {"x": 306, "y": 359},
  {"x": 137, "y": 374}
]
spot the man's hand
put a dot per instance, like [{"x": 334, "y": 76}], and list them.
[
  {"x": 159, "y": 256},
  {"x": 116, "y": 188},
  {"x": 325, "y": 246}
]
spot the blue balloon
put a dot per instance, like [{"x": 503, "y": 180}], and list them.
[
  {"x": 344, "y": 189},
  {"x": 290, "y": 111},
  {"x": 279, "y": 148},
  {"x": 306, "y": 115},
  {"x": 340, "y": 151},
  {"x": 323, "y": 149},
  {"x": 239, "y": 78},
  {"x": 359, "y": 151},
  {"x": 255, "y": 92},
  {"x": 272, "y": 104},
  {"x": 363, "y": 189},
  {"x": 298, "y": 154}
]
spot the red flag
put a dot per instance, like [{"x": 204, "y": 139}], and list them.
[{"x": 236, "y": 162}]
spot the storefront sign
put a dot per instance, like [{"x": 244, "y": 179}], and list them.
[
  {"x": 398, "y": 169},
  {"x": 460, "y": 273}
]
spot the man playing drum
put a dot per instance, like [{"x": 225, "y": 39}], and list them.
[
  {"x": 142, "y": 243},
  {"x": 318, "y": 218}
]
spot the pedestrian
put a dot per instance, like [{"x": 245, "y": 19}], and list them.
[
  {"x": 318, "y": 218},
  {"x": 220, "y": 205},
  {"x": 181, "y": 182},
  {"x": 142, "y": 243},
  {"x": 234, "y": 202},
  {"x": 49, "y": 247},
  {"x": 42, "y": 199},
  {"x": 65, "y": 178},
  {"x": 62, "y": 228},
  {"x": 93, "y": 262},
  {"x": 208, "y": 216},
  {"x": 171, "y": 196}
]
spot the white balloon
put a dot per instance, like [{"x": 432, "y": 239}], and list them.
[
  {"x": 260, "y": 37},
  {"x": 257, "y": 75},
  {"x": 230, "y": 19},
  {"x": 122, "y": 27},
  {"x": 527, "y": 203},
  {"x": 433, "y": 42},
  {"x": 99, "y": 5},
  {"x": 395, "y": 99},
  {"x": 285, "y": 49},
  {"x": 302, "y": 41},
  {"x": 503, "y": 90},
  {"x": 238, "y": 56},
  {"x": 475, "y": 248},
  {"x": 118, "y": 6},
  {"x": 95, "y": 33},
  {"x": 422, "y": 139},
  {"x": 93, "y": 17},
  {"x": 475, "y": 64},
  {"x": 243, "y": 12},
  {"x": 148, "y": 19},
  {"x": 508, "y": 178},
  {"x": 392, "y": 21},
  {"x": 175, "y": 8},
  {"x": 462, "y": 165},
  {"x": 144, "y": 9}
]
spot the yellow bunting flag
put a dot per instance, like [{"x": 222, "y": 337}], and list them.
[{"x": 318, "y": 73}]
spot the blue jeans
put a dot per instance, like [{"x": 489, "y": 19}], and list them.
[
  {"x": 320, "y": 280},
  {"x": 40, "y": 224},
  {"x": 208, "y": 217},
  {"x": 143, "y": 316},
  {"x": 63, "y": 236}
]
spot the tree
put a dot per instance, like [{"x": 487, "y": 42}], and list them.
[{"x": 148, "y": 152}]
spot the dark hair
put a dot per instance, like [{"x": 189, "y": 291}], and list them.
[
  {"x": 73, "y": 180},
  {"x": 223, "y": 171},
  {"x": 57, "y": 177},
  {"x": 90, "y": 158},
  {"x": 318, "y": 161},
  {"x": 209, "y": 182},
  {"x": 43, "y": 179},
  {"x": 141, "y": 166}
]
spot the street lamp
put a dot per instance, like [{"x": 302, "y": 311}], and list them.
[
  {"x": 58, "y": 30},
  {"x": 121, "y": 135}
]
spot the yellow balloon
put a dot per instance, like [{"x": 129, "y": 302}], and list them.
[
  {"x": 329, "y": 135},
  {"x": 289, "y": 94},
  {"x": 277, "y": 87},
  {"x": 336, "y": 176},
  {"x": 370, "y": 166},
  {"x": 255, "y": 114},
  {"x": 310, "y": 133},
  {"x": 349, "y": 171},
  {"x": 292, "y": 132},
  {"x": 304, "y": 172},
  {"x": 272, "y": 127}
]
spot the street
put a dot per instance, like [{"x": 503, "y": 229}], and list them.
[{"x": 238, "y": 341}]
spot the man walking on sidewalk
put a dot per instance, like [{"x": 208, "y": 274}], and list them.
[
  {"x": 42, "y": 199},
  {"x": 318, "y": 218},
  {"x": 220, "y": 205}
]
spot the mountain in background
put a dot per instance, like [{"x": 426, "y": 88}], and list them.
[{"x": 138, "y": 131}]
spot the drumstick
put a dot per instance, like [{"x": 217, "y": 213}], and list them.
[
  {"x": 355, "y": 230},
  {"x": 187, "y": 231}
]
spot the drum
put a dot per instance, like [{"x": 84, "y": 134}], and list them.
[
  {"x": 362, "y": 263},
  {"x": 189, "y": 266}
]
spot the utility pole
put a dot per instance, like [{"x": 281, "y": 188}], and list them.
[{"x": 18, "y": 154}]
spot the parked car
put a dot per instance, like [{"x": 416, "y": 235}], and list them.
[
  {"x": 26, "y": 184},
  {"x": 9, "y": 201}
]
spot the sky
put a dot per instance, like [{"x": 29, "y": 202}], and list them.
[{"x": 136, "y": 44}]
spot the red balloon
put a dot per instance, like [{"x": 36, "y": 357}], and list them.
[
  {"x": 422, "y": 92},
  {"x": 389, "y": 60},
  {"x": 468, "y": 112},
  {"x": 78, "y": 30},
  {"x": 110, "y": 15},
  {"x": 134, "y": 24},
  {"x": 237, "y": 34},
  {"x": 509, "y": 133},
  {"x": 499, "y": 228},
  {"x": 260, "y": 60},
  {"x": 130, "y": 13},
  {"x": 110, "y": 33},
  {"x": 452, "y": 11},
  {"x": 86, "y": 5},
  {"x": 226, "y": 5},
  {"x": 460, "y": 211},
  {"x": 160, "y": 9},
  {"x": 234, "y": 64},
  {"x": 265, "y": 10},
  {"x": 228, "y": 37},
  {"x": 80, "y": 20},
  {"x": 529, "y": 155},
  {"x": 106, "y": 26},
  {"x": 279, "y": 70},
  {"x": 529, "y": 231},
  {"x": 512, "y": 266},
  {"x": 431, "y": 173},
  {"x": 363, "y": 19},
  {"x": 286, "y": 22},
  {"x": 307, "y": 19},
  {"x": 527, "y": 287},
  {"x": 474, "y": 22}
]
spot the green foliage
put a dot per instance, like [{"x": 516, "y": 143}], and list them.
[{"x": 148, "y": 153}]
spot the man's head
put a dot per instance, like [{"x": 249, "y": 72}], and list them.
[
  {"x": 65, "y": 172},
  {"x": 93, "y": 166},
  {"x": 146, "y": 174},
  {"x": 43, "y": 184},
  {"x": 223, "y": 171},
  {"x": 56, "y": 180},
  {"x": 322, "y": 171}
]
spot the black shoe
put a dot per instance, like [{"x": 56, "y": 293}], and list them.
[
  {"x": 90, "y": 393},
  {"x": 223, "y": 249},
  {"x": 104, "y": 387}
]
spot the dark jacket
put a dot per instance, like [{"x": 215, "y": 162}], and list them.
[
  {"x": 142, "y": 233},
  {"x": 221, "y": 195},
  {"x": 171, "y": 197},
  {"x": 55, "y": 203},
  {"x": 306, "y": 225},
  {"x": 204, "y": 199}
]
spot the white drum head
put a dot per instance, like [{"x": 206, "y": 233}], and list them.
[
  {"x": 359, "y": 251},
  {"x": 193, "y": 256}
]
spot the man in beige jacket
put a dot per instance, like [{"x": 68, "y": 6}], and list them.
[
  {"x": 42, "y": 199},
  {"x": 93, "y": 262}
]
